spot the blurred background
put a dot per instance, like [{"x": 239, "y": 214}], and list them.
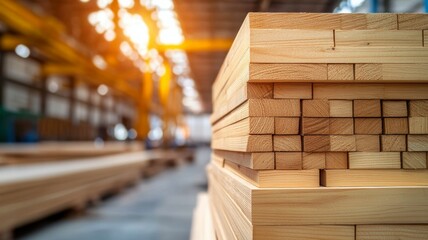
[{"x": 97, "y": 77}]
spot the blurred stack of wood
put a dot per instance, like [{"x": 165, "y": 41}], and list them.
[{"x": 311, "y": 111}]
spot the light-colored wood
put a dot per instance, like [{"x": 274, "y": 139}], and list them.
[
  {"x": 368, "y": 125},
  {"x": 313, "y": 160},
  {"x": 250, "y": 143},
  {"x": 384, "y": 21},
  {"x": 367, "y": 143},
  {"x": 340, "y": 72},
  {"x": 414, "y": 160},
  {"x": 367, "y": 108},
  {"x": 336, "y": 160},
  {"x": 234, "y": 116},
  {"x": 374, "y": 178},
  {"x": 316, "y": 143},
  {"x": 202, "y": 225},
  {"x": 293, "y": 90},
  {"x": 291, "y": 38},
  {"x": 259, "y": 90},
  {"x": 250, "y": 125},
  {"x": 418, "y": 108},
  {"x": 274, "y": 107},
  {"x": 370, "y": 91},
  {"x": 259, "y": 160},
  {"x": 412, "y": 21},
  {"x": 393, "y": 143},
  {"x": 395, "y": 125},
  {"x": 418, "y": 125},
  {"x": 394, "y": 108},
  {"x": 276, "y": 178},
  {"x": 287, "y": 143},
  {"x": 340, "y": 126},
  {"x": 315, "y": 126},
  {"x": 288, "y": 160},
  {"x": 315, "y": 108},
  {"x": 393, "y": 232},
  {"x": 343, "y": 143},
  {"x": 278, "y": 72},
  {"x": 320, "y": 55},
  {"x": 384, "y": 72},
  {"x": 341, "y": 108},
  {"x": 306, "y": 206},
  {"x": 417, "y": 143},
  {"x": 320, "y": 232},
  {"x": 374, "y": 160},
  {"x": 287, "y": 125},
  {"x": 425, "y": 38},
  {"x": 378, "y": 38}
]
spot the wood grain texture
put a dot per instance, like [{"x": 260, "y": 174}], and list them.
[
  {"x": 262, "y": 72},
  {"x": 250, "y": 143},
  {"x": 370, "y": 91},
  {"x": 417, "y": 143},
  {"x": 412, "y": 21},
  {"x": 367, "y": 143},
  {"x": 250, "y": 125},
  {"x": 371, "y": 178},
  {"x": 395, "y": 125},
  {"x": 315, "y": 108},
  {"x": 316, "y": 143},
  {"x": 341, "y": 108},
  {"x": 287, "y": 125},
  {"x": 276, "y": 178},
  {"x": 260, "y": 160},
  {"x": 414, "y": 160},
  {"x": 274, "y": 107},
  {"x": 378, "y": 38},
  {"x": 278, "y": 206},
  {"x": 293, "y": 90},
  {"x": 313, "y": 160},
  {"x": 398, "y": 72},
  {"x": 367, "y": 108},
  {"x": 393, "y": 143},
  {"x": 292, "y": 38},
  {"x": 394, "y": 232},
  {"x": 418, "y": 125},
  {"x": 336, "y": 160},
  {"x": 343, "y": 143},
  {"x": 287, "y": 143},
  {"x": 394, "y": 108},
  {"x": 374, "y": 160},
  {"x": 318, "y": 126},
  {"x": 368, "y": 125},
  {"x": 418, "y": 108},
  {"x": 340, "y": 72},
  {"x": 288, "y": 160},
  {"x": 341, "y": 126},
  {"x": 259, "y": 90}
]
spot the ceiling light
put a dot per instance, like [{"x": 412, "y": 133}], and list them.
[
  {"x": 102, "y": 89},
  {"x": 22, "y": 51}
]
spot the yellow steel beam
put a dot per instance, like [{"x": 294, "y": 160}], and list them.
[{"x": 195, "y": 45}]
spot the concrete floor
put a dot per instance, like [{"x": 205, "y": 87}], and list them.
[{"x": 159, "y": 208}]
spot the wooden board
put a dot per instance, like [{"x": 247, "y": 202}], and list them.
[
  {"x": 372, "y": 232},
  {"x": 276, "y": 178},
  {"x": 257, "y": 161},
  {"x": 376, "y": 160},
  {"x": 374, "y": 178},
  {"x": 306, "y": 206},
  {"x": 202, "y": 223}
]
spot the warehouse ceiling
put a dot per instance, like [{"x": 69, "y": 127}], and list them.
[{"x": 212, "y": 20}]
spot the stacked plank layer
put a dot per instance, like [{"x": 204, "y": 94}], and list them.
[{"x": 329, "y": 111}]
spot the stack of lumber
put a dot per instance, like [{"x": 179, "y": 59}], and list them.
[
  {"x": 320, "y": 128},
  {"x": 33, "y": 191},
  {"x": 12, "y": 154}
]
